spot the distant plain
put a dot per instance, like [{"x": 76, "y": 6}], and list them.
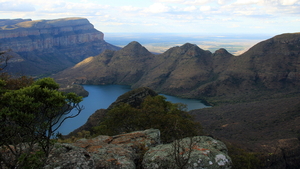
[{"x": 236, "y": 44}]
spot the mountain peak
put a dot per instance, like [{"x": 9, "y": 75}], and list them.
[
  {"x": 133, "y": 44},
  {"x": 135, "y": 48},
  {"x": 221, "y": 51},
  {"x": 188, "y": 45}
]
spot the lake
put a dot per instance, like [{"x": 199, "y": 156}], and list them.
[{"x": 102, "y": 96}]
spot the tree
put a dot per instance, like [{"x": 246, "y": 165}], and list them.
[
  {"x": 29, "y": 119},
  {"x": 154, "y": 112},
  {"x": 3, "y": 59}
]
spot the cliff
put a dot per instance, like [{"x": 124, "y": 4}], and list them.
[{"x": 47, "y": 46}]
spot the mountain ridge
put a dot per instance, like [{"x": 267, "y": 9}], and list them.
[{"x": 189, "y": 71}]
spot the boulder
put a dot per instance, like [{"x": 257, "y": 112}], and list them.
[
  {"x": 140, "y": 149},
  {"x": 120, "y": 151},
  {"x": 195, "y": 152},
  {"x": 65, "y": 156}
]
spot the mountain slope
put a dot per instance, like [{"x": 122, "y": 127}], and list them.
[
  {"x": 178, "y": 70},
  {"x": 125, "y": 66}
]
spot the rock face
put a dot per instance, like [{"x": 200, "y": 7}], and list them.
[
  {"x": 127, "y": 151},
  {"x": 188, "y": 71},
  {"x": 50, "y": 45}
]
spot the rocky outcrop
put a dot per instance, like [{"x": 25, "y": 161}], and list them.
[
  {"x": 134, "y": 97},
  {"x": 127, "y": 151},
  {"x": 46, "y": 46},
  {"x": 120, "y": 151},
  {"x": 78, "y": 89}
]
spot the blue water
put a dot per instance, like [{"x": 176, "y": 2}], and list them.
[{"x": 101, "y": 96}]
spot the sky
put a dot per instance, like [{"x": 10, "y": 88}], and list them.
[{"x": 167, "y": 16}]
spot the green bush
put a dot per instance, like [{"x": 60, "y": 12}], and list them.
[{"x": 155, "y": 112}]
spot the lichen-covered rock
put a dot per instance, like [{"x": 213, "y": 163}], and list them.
[
  {"x": 120, "y": 151},
  {"x": 139, "y": 149},
  {"x": 66, "y": 156},
  {"x": 196, "y": 152}
]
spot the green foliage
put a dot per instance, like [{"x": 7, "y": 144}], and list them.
[
  {"x": 32, "y": 160},
  {"x": 155, "y": 112},
  {"x": 243, "y": 159},
  {"x": 7, "y": 82},
  {"x": 29, "y": 117}
]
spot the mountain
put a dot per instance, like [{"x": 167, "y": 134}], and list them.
[
  {"x": 271, "y": 66},
  {"x": 125, "y": 66},
  {"x": 48, "y": 46}
]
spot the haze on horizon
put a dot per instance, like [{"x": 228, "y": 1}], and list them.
[{"x": 167, "y": 16}]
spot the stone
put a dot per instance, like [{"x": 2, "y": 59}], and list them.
[
  {"x": 196, "y": 152},
  {"x": 120, "y": 151},
  {"x": 139, "y": 149},
  {"x": 64, "y": 156}
]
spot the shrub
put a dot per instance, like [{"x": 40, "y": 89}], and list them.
[{"x": 154, "y": 112}]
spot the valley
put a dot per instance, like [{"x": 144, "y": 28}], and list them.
[{"x": 251, "y": 81}]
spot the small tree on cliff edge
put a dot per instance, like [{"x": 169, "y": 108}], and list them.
[{"x": 29, "y": 118}]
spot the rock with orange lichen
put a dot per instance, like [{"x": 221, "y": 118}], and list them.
[
  {"x": 65, "y": 156},
  {"x": 196, "y": 152},
  {"x": 121, "y": 151},
  {"x": 139, "y": 149}
]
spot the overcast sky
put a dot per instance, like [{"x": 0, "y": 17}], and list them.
[{"x": 173, "y": 16}]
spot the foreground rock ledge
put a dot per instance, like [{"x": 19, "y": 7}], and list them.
[{"x": 138, "y": 149}]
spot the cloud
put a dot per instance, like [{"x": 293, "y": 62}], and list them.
[
  {"x": 197, "y": 2},
  {"x": 190, "y": 8},
  {"x": 170, "y": 1},
  {"x": 157, "y": 8},
  {"x": 16, "y": 6},
  {"x": 223, "y": 2},
  {"x": 130, "y": 8},
  {"x": 205, "y": 8},
  {"x": 288, "y": 2},
  {"x": 246, "y": 2}
]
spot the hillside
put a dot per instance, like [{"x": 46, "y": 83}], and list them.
[
  {"x": 270, "y": 67},
  {"x": 44, "y": 47}
]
